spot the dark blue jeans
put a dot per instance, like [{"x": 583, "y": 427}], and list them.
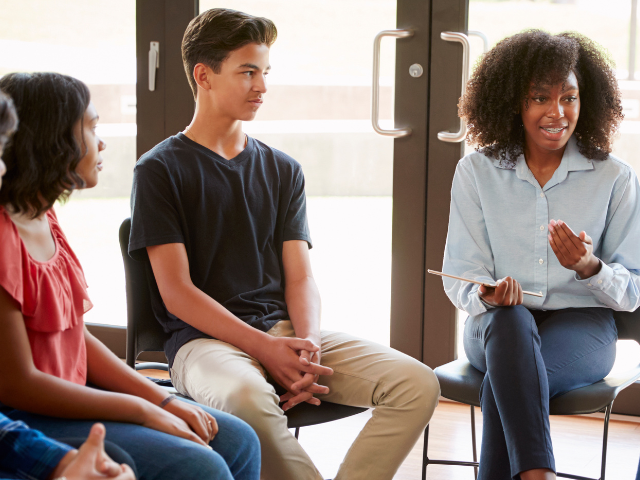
[
  {"x": 530, "y": 356},
  {"x": 160, "y": 456}
]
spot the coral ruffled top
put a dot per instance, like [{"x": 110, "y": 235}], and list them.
[{"x": 53, "y": 299}]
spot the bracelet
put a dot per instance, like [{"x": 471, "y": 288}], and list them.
[
  {"x": 163, "y": 404},
  {"x": 60, "y": 478}
]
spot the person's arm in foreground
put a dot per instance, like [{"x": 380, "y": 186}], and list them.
[
  {"x": 28, "y": 451},
  {"x": 280, "y": 356},
  {"x": 24, "y": 387}
]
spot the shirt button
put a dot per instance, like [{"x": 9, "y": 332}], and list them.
[
  {"x": 541, "y": 195},
  {"x": 541, "y": 227},
  {"x": 589, "y": 285},
  {"x": 541, "y": 261},
  {"x": 599, "y": 281}
]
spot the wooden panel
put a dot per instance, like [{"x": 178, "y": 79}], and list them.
[
  {"x": 446, "y": 75},
  {"x": 409, "y": 180}
]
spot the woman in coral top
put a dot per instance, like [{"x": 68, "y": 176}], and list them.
[{"x": 47, "y": 356}]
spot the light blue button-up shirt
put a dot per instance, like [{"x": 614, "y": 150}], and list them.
[{"x": 498, "y": 228}]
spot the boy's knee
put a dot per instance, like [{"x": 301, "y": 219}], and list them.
[{"x": 420, "y": 387}]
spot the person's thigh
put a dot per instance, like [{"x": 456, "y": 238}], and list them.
[
  {"x": 114, "y": 452},
  {"x": 157, "y": 455},
  {"x": 578, "y": 346},
  {"x": 235, "y": 441},
  {"x": 219, "y": 375},
  {"x": 505, "y": 318}
]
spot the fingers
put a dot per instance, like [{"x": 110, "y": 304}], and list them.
[
  {"x": 199, "y": 424},
  {"x": 500, "y": 292},
  {"x": 213, "y": 425},
  {"x": 308, "y": 384},
  {"x": 127, "y": 473},
  {"x": 316, "y": 369},
  {"x": 305, "y": 357},
  {"x": 304, "y": 382},
  {"x": 302, "y": 344},
  {"x": 109, "y": 468},
  {"x": 301, "y": 397}
]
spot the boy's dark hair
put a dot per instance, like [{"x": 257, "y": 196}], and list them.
[
  {"x": 43, "y": 154},
  {"x": 214, "y": 34},
  {"x": 492, "y": 102},
  {"x": 8, "y": 118}
]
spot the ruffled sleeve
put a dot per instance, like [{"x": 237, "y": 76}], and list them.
[
  {"x": 58, "y": 285},
  {"x": 14, "y": 272}
]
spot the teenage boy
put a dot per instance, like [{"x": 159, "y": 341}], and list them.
[{"x": 222, "y": 218}]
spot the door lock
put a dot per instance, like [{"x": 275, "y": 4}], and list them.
[{"x": 416, "y": 70}]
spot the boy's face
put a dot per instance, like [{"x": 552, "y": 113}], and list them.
[{"x": 237, "y": 91}]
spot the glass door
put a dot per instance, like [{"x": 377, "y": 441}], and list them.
[
  {"x": 317, "y": 109},
  {"x": 94, "y": 42}
]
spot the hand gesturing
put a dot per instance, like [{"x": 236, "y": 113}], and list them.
[{"x": 574, "y": 252}]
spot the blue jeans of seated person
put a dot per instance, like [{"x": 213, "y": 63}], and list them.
[
  {"x": 530, "y": 356},
  {"x": 160, "y": 456}
]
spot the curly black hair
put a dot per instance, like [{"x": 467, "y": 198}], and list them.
[
  {"x": 8, "y": 119},
  {"x": 43, "y": 154},
  {"x": 503, "y": 77}
]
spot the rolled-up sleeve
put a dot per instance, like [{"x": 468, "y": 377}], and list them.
[
  {"x": 468, "y": 251},
  {"x": 617, "y": 284},
  {"x": 28, "y": 453}
]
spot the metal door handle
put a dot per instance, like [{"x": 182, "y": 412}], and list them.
[
  {"x": 461, "y": 134},
  {"x": 464, "y": 40},
  {"x": 375, "y": 96},
  {"x": 154, "y": 64}
]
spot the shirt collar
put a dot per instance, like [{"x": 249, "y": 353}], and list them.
[{"x": 572, "y": 161}]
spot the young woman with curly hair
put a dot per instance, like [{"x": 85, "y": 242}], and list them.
[
  {"x": 543, "y": 110},
  {"x": 54, "y": 375}
]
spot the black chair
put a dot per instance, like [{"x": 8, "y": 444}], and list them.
[
  {"x": 145, "y": 334},
  {"x": 461, "y": 382}
]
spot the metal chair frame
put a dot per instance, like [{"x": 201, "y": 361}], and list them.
[{"x": 426, "y": 461}]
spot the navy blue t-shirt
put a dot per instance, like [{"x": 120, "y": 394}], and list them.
[{"x": 232, "y": 216}]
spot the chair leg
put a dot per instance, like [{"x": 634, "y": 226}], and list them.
[
  {"x": 297, "y": 432},
  {"x": 605, "y": 440},
  {"x": 425, "y": 456},
  {"x": 473, "y": 440}
]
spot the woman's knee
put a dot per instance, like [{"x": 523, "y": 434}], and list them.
[
  {"x": 198, "y": 463},
  {"x": 507, "y": 321}
]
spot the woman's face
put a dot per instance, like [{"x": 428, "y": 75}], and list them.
[
  {"x": 550, "y": 114},
  {"x": 91, "y": 164}
]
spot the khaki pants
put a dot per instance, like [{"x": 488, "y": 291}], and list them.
[{"x": 402, "y": 391}]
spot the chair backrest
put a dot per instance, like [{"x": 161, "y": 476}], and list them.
[
  {"x": 628, "y": 324},
  {"x": 144, "y": 333}
]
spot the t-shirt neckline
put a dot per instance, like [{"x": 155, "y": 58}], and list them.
[{"x": 238, "y": 159}]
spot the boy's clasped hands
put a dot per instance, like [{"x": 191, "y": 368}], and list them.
[{"x": 574, "y": 252}]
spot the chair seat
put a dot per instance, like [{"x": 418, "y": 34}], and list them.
[{"x": 461, "y": 382}]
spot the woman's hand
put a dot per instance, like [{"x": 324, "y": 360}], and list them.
[
  {"x": 91, "y": 462},
  {"x": 201, "y": 422},
  {"x": 574, "y": 252},
  {"x": 506, "y": 293},
  {"x": 164, "y": 421}
]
